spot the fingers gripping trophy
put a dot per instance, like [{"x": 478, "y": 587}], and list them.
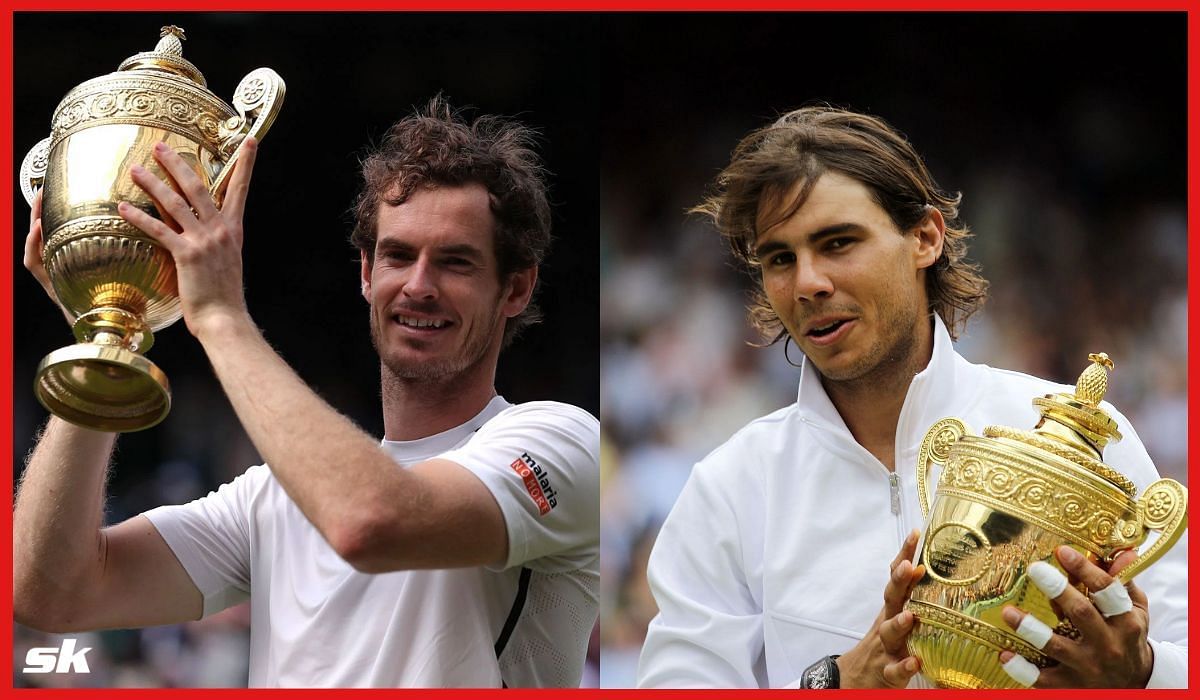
[{"x": 115, "y": 282}]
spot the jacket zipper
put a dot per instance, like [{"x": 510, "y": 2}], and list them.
[{"x": 893, "y": 478}]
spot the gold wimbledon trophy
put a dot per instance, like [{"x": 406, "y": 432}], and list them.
[
  {"x": 1010, "y": 498},
  {"x": 116, "y": 282}
]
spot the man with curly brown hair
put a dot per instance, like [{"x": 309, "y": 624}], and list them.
[
  {"x": 769, "y": 569},
  {"x": 462, "y": 551}
]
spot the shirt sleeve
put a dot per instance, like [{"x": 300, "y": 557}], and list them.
[
  {"x": 541, "y": 461},
  {"x": 211, "y": 539},
  {"x": 1170, "y": 666},
  {"x": 709, "y": 629}
]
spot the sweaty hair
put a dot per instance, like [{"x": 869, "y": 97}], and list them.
[
  {"x": 437, "y": 146},
  {"x": 806, "y": 143}
]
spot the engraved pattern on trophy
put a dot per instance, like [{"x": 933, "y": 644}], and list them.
[
  {"x": 957, "y": 554},
  {"x": 1158, "y": 504},
  {"x": 1053, "y": 498},
  {"x": 1030, "y": 438},
  {"x": 949, "y": 620},
  {"x": 935, "y": 449},
  {"x": 1162, "y": 507},
  {"x": 118, "y": 283},
  {"x": 151, "y": 102},
  {"x": 142, "y": 281},
  {"x": 1009, "y": 498},
  {"x": 973, "y": 646},
  {"x": 33, "y": 169},
  {"x": 257, "y": 99}
]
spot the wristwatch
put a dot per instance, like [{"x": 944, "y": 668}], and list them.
[{"x": 823, "y": 674}]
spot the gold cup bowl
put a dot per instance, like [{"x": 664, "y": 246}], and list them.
[
  {"x": 1009, "y": 498},
  {"x": 116, "y": 281}
]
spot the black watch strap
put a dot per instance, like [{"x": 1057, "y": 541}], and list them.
[{"x": 822, "y": 674}]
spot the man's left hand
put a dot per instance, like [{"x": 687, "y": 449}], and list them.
[
  {"x": 205, "y": 242},
  {"x": 1111, "y": 652}
]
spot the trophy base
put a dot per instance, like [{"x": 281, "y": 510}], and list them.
[
  {"x": 958, "y": 651},
  {"x": 102, "y": 387}
]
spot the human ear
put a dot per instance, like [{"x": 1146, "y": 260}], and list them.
[
  {"x": 519, "y": 291},
  {"x": 366, "y": 275},
  {"x": 930, "y": 236}
]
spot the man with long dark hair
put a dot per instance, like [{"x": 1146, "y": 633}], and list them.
[{"x": 769, "y": 569}]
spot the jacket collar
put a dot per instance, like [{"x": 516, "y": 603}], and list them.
[{"x": 931, "y": 395}]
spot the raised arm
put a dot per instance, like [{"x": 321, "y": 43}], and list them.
[
  {"x": 69, "y": 572},
  {"x": 376, "y": 516}
]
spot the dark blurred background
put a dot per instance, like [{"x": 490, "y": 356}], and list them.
[
  {"x": 349, "y": 77},
  {"x": 1065, "y": 132}
]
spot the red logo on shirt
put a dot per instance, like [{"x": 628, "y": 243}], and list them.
[{"x": 537, "y": 483}]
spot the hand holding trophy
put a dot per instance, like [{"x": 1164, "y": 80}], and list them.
[
  {"x": 205, "y": 242},
  {"x": 116, "y": 283}
]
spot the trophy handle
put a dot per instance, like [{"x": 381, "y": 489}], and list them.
[
  {"x": 935, "y": 449},
  {"x": 1162, "y": 507},
  {"x": 33, "y": 169},
  {"x": 257, "y": 100}
]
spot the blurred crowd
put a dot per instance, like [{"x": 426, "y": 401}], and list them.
[{"x": 1085, "y": 247}]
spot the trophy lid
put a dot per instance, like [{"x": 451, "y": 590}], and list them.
[
  {"x": 166, "y": 57},
  {"x": 1075, "y": 426},
  {"x": 1081, "y": 411}
]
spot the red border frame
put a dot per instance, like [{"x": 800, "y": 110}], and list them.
[
  {"x": 603, "y": 5},
  {"x": 7, "y": 267},
  {"x": 6, "y": 327}
]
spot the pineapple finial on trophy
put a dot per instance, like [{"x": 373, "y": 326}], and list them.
[
  {"x": 171, "y": 41},
  {"x": 1093, "y": 383},
  {"x": 167, "y": 56},
  {"x": 1077, "y": 419}
]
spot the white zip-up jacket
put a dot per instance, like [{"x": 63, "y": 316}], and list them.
[{"x": 777, "y": 551}]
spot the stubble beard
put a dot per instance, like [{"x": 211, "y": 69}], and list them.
[
  {"x": 891, "y": 360},
  {"x": 435, "y": 370}
]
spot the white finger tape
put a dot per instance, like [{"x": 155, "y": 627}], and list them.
[
  {"x": 1021, "y": 670},
  {"x": 1034, "y": 631},
  {"x": 1048, "y": 579},
  {"x": 1113, "y": 599}
]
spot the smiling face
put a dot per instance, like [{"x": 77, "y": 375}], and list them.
[
  {"x": 847, "y": 284},
  {"x": 438, "y": 304}
]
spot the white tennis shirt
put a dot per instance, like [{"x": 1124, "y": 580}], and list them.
[
  {"x": 316, "y": 621},
  {"x": 776, "y": 553}
]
